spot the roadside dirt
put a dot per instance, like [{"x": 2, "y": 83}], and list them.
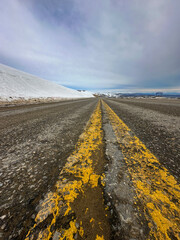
[{"x": 31, "y": 101}]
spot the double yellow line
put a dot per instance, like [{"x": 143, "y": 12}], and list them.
[
  {"x": 78, "y": 181},
  {"x": 157, "y": 190}
]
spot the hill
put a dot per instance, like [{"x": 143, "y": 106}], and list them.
[{"x": 16, "y": 84}]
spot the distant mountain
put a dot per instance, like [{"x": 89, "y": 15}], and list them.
[
  {"x": 18, "y": 84},
  {"x": 153, "y": 94}
]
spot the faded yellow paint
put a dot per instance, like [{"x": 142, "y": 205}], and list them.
[
  {"x": 102, "y": 180},
  {"x": 69, "y": 233},
  {"x": 86, "y": 210},
  {"x": 157, "y": 190},
  {"x": 99, "y": 238},
  {"x": 92, "y": 221},
  {"x": 77, "y": 175},
  {"x": 81, "y": 231}
]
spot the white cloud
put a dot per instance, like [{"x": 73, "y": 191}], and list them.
[{"x": 92, "y": 44}]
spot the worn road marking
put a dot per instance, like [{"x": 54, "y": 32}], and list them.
[
  {"x": 75, "y": 210},
  {"x": 157, "y": 190}
]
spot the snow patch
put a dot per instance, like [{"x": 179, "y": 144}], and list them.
[{"x": 15, "y": 84}]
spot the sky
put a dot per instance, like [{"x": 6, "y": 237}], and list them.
[{"x": 93, "y": 45}]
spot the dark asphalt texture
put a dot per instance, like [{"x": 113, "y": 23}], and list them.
[
  {"x": 157, "y": 124},
  {"x": 35, "y": 142}
]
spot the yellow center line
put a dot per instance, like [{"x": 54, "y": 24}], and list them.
[
  {"x": 157, "y": 190},
  {"x": 76, "y": 177}
]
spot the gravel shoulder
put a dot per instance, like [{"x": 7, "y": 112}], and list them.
[{"x": 34, "y": 147}]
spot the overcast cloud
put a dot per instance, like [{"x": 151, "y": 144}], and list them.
[{"x": 94, "y": 44}]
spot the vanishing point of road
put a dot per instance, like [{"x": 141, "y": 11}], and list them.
[{"x": 90, "y": 169}]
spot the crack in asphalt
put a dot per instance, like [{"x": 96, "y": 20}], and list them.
[{"x": 73, "y": 171}]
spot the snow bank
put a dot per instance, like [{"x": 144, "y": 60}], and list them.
[{"x": 15, "y": 84}]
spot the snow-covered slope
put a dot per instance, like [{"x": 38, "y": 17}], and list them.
[{"x": 17, "y": 84}]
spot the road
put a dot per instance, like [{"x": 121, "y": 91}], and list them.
[
  {"x": 71, "y": 169},
  {"x": 35, "y": 142},
  {"x": 157, "y": 123}
]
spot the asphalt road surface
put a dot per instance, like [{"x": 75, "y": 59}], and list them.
[
  {"x": 157, "y": 123},
  {"x": 35, "y": 142},
  {"x": 90, "y": 169}
]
